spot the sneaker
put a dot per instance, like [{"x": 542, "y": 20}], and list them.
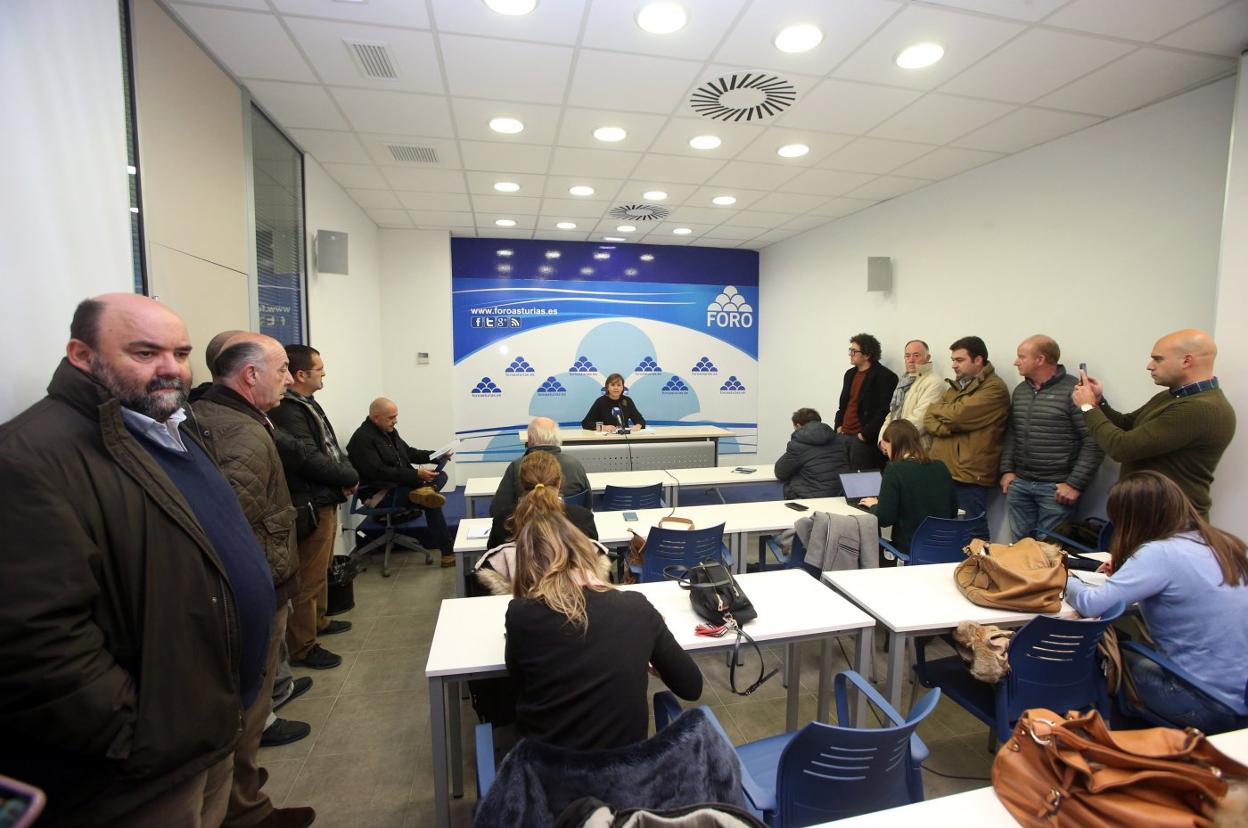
[
  {"x": 298, "y": 687},
  {"x": 318, "y": 658},
  {"x": 425, "y": 496},
  {"x": 334, "y": 627},
  {"x": 284, "y": 732},
  {"x": 448, "y": 560},
  {"x": 288, "y": 818}
]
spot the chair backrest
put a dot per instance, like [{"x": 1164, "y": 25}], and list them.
[
  {"x": 617, "y": 498},
  {"x": 581, "y": 498},
  {"x": 797, "y": 555},
  {"x": 684, "y": 547},
  {"x": 940, "y": 540},
  {"x": 1105, "y": 536},
  {"x": 828, "y": 772}
]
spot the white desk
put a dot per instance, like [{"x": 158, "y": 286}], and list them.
[
  {"x": 655, "y": 447},
  {"x": 981, "y": 807},
  {"x": 651, "y": 434},
  {"x": 468, "y": 642},
  {"x": 911, "y": 600}
]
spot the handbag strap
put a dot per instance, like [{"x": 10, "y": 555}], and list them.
[
  {"x": 736, "y": 650},
  {"x": 682, "y": 521}
]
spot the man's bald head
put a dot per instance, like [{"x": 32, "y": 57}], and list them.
[
  {"x": 1182, "y": 357},
  {"x": 543, "y": 431},
  {"x": 215, "y": 346},
  {"x": 384, "y": 413}
]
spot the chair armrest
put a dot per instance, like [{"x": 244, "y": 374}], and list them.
[
  {"x": 842, "y": 698},
  {"x": 484, "y": 734},
  {"x": 753, "y": 790},
  {"x": 1167, "y": 665},
  {"x": 918, "y": 750},
  {"x": 894, "y": 551},
  {"x": 773, "y": 546}
]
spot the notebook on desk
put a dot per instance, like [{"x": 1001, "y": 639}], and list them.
[{"x": 858, "y": 485}]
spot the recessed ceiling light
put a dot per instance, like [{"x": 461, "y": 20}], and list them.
[
  {"x": 613, "y": 238},
  {"x": 630, "y": 271},
  {"x": 504, "y": 252},
  {"x": 662, "y": 18},
  {"x": 800, "y": 38},
  {"x": 626, "y": 228},
  {"x": 546, "y": 269},
  {"x": 587, "y": 271},
  {"x": 505, "y": 222},
  {"x": 682, "y": 231},
  {"x": 705, "y": 142},
  {"x": 512, "y": 8},
  {"x": 792, "y": 150},
  {"x": 581, "y": 190},
  {"x": 647, "y": 257},
  {"x": 601, "y": 255},
  {"x": 610, "y": 134},
  {"x": 506, "y": 186},
  {"x": 654, "y": 195},
  {"x": 553, "y": 254},
  {"x": 507, "y": 126},
  {"x": 566, "y": 225},
  {"x": 920, "y": 55},
  {"x": 724, "y": 201}
]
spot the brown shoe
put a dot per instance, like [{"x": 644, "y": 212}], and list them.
[
  {"x": 288, "y": 818},
  {"x": 425, "y": 496},
  {"x": 448, "y": 560}
]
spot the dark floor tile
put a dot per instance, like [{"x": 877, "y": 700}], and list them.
[{"x": 282, "y": 775}]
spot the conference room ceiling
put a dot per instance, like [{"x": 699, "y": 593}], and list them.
[{"x": 417, "y": 150}]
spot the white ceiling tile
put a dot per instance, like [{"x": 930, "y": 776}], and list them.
[
  {"x": 675, "y": 137},
  {"x": 827, "y": 182},
  {"x": 837, "y": 207},
  {"x": 506, "y": 204},
  {"x": 804, "y": 223},
  {"x": 760, "y": 218},
  {"x": 442, "y": 202},
  {"x": 888, "y": 186},
  {"x": 663, "y": 229},
  {"x": 358, "y": 176},
  {"x": 557, "y": 186},
  {"x": 523, "y": 222},
  {"x": 938, "y": 119},
  {"x": 482, "y": 67},
  {"x": 1024, "y": 128},
  {"x": 702, "y": 215},
  {"x": 874, "y": 155},
  {"x": 375, "y": 199},
  {"x": 255, "y": 5},
  {"x": 1225, "y": 32},
  {"x": 577, "y": 129},
  {"x": 552, "y": 21},
  {"x": 631, "y": 82},
  {"x": 744, "y": 198},
  {"x": 1029, "y": 10},
  {"x": 379, "y": 12},
  {"x": 966, "y": 39},
  {"x": 395, "y": 113},
  {"x": 560, "y": 235},
  {"x": 483, "y": 182},
  {"x": 822, "y": 144},
  {"x": 789, "y": 202},
  {"x": 441, "y": 218},
  {"x": 295, "y": 105},
  {"x": 613, "y": 26},
  {"x": 751, "y": 174},
  {"x": 251, "y": 45},
  {"x": 844, "y": 25},
  {"x": 1034, "y": 65},
  {"x": 635, "y": 190},
  {"x": 946, "y": 161},
  {"x": 846, "y": 107},
  {"x": 574, "y": 208},
  {"x": 389, "y": 218},
  {"x": 411, "y": 53},
  {"x": 669, "y": 241},
  {"x": 472, "y": 120},
  {"x": 414, "y": 178},
  {"x": 773, "y": 237},
  {"x": 609, "y": 226},
  {"x": 378, "y": 148},
  {"x": 1144, "y": 20},
  {"x": 708, "y": 241},
  {"x": 327, "y": 145},
  {"x": 506, "y": 158},
  {"x": 676, "y": 168},
  {"x": 570, "y": 161},
  {"x": 492, "y": 232},
  {"x": 1138, "y": 79}
]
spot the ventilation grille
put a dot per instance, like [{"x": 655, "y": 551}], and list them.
[
  {"x": 373, "y": 59},
  {"x": 410, "y": 154},
  {"x": 639, "y": 212},
  {"x": 774, "y": 95}
]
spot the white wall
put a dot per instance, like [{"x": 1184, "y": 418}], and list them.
[
  {"x": 65, "y": 209},
  {"x": 1105, "y": 240}
]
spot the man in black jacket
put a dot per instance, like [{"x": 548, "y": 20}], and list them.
[
  {"x": 320, "y": 477},
  {"x": 865, "y": 396},
  {"x": 814, "y": 460},
  {"x": 385, "y": 464}
]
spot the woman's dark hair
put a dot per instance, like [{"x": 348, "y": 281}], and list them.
[
  {"x": 1147, "y": 506},
  {"x": 868, "y": 344},
  {"x": 904, "y": 441},
  {"x": 610, "y": 379},
  {"x": 802, "y": 416}
]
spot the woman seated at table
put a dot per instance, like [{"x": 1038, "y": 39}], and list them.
[
  {"x": 602, "y": 411},
  {"x": 579, "y": 650},
  {"x": 541, "y": 480},
  {"x": 1191, "y": 583},
  {"x": 914, "y": 486}
]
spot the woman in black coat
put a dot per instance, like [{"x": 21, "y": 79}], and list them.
[{"x": 601, "y": 411}]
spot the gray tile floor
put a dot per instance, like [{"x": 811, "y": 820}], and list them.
[{"x": 367, "y": 762}]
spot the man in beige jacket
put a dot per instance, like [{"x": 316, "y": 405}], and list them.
[{"x": 919, "y": 388}]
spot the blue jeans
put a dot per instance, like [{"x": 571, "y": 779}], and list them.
[
  {"x": 1176, "y": 702},
  {"x": 973, "y": 499},
  {"x": 1031, "y": 505}
]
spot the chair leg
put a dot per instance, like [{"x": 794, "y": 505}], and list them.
[
  {"x": 385, "y": 560},
  {"x": 992, "y": 739}
]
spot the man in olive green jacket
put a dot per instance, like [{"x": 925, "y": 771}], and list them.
[{"x": 967, "y": 425}]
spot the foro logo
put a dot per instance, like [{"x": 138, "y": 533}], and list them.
[{"x": 730, "y": 310}]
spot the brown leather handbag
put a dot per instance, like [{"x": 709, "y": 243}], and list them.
[
  {"x": 1027, "y": 576},
  {"x": 1060, "y": 771}
]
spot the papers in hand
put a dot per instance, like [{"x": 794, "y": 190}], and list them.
[
  {"x": 1090, "y": 578},
  {"x": 479, "y": 532},
  {"x": 449, "y": 448}
]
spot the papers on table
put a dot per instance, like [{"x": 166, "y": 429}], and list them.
[
  {"x": 1090, "y": 578},
  {"x": 479, "y": 532}
]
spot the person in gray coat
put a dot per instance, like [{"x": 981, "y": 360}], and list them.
[
  {"x": 815, "y": 458},
  {"x": 543, "y": 435},
  {"x": 1048, "y": 457}
]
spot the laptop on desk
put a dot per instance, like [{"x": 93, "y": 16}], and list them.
[{"x": 858, "y": 485}]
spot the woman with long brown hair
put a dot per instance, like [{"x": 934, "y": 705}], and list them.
[
  {"x": 578, "y": 649},
  {"x": 914, "y": 486},
  {"x": 1191, "y": 582}
]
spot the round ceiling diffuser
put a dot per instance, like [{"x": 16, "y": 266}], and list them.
[
  {"x": 745, "y": 97},
  {"x": 639, "y": 212}
]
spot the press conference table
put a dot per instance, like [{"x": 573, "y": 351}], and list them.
[{"x": 469, "y": 643}]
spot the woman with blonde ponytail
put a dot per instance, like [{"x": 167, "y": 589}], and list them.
[
  {"x": 540, "y": 481},
  {"x": 579, "y": 650}
]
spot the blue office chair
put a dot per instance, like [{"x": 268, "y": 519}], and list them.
[
  {"x": 937, "y": 540},
  {"x": 619, "y": 498},
  {"x": 795, "y": 559},
  {"x": 1053, "y": 664},
  {"x": 1104, "y": 536},
  {"x": 827, "y": 772},
  {"x": 581, "y": 498},
  {"x": 1180, "y": 675},
  {"x": 680, "y": 547},
  {"x": 384, "y": 526}
]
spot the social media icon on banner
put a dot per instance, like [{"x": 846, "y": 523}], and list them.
[{"x": 476, "y": 321}]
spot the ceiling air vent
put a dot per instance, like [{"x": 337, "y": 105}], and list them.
[
  {"x": 745, "y": 97},
  {"x": 411, "y": 154},
  {"x": 639, "y": 212},
  {"x": 373, "y": 59}
]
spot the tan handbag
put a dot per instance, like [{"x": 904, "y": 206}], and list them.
[
  {"x": 1072, "y": 771},
  {"x": 1028, "y": 576},
  {"x": 637, "y": 545}
]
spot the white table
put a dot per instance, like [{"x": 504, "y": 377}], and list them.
[
  {"x": 651, "y": 447},
  {"x": 651, "y": 434},
  {"x": 981, "y": 807},
  {"x": 468, "y": 642}
]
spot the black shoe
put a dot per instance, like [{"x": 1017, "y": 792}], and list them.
[
  {"x": 334, "y": 627},
  {"x": 284, "y": 732},
  {"x": 298, "y": 687},
  {"x": 318, "y": 658}
]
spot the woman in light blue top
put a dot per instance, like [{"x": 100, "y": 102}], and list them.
[{"x": 1191, "y": 582}]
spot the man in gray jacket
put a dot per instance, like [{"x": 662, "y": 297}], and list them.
[
  {"x": 543, "y": 435},
  {"x": 1048, "y": 457},
  {"x": 814, "y": 459}
]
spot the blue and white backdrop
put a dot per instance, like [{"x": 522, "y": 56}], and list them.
[{"x": 539, "y": 325}]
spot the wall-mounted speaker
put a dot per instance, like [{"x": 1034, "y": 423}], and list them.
[
  {"x": 879, "y": 274},
  {"x": 329, "y": 251}
]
